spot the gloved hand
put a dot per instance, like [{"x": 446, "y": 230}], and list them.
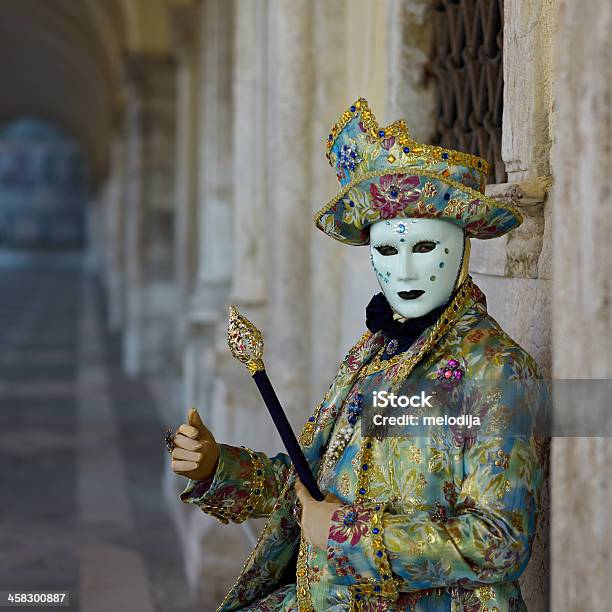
[
  {"x": 196, "y": 451},
  {"x": 315, "y": 519}
]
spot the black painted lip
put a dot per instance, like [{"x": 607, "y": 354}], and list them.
[{"x": 413, "y": 294}]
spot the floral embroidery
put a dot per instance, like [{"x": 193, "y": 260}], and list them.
[
  {"x": 387, "y": 143},
  {"x": 454, "y": 207},
  {"x": 342, "y": 565},
  {"x": 414, "y": 454},
  {"x": 475, "y": 336},
  {"x": 439, "y": 514},
  {"x": 394, "y": 193},
  {"x": 429, "y": 191},
  {"x": 358, "y": 211},
  {"x": 349, "y": 522},
  {"x": 502, "y": 459},
  {"x": 482, "y": 228},
  {"x": 230, "y": 499},
  {"x": 450, "y": 493}
]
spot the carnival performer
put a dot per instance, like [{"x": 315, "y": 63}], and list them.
[{"x": 422, "y": 519}]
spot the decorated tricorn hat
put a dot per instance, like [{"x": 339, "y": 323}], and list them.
[{"x": 385, "y": 174}]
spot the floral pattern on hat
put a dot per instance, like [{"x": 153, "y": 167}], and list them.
[{"x": 393, "y": 193}]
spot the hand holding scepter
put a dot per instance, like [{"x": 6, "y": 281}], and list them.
[{"x": 246, "y": 344}]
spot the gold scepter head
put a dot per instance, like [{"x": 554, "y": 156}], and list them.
[{"x": 245, "y": 341}]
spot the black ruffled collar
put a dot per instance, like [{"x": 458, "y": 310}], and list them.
[{"x": 399, "y": 335}]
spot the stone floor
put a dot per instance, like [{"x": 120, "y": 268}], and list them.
[{"x": 81, "y": 504}]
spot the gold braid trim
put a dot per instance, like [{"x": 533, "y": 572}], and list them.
[
  {"x": 399, "y": 130},
  {"x": 418, "y": 171},
  {"x": 302, "y": 587},
  {"x": 442, "y": 325},
  {"x": 465, "y": 263},
  {"x": 257, "y": 488},
  {"x": 387, "y": 587}
]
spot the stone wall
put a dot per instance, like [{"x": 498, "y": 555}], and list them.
[{"x": 582, "y": 297}]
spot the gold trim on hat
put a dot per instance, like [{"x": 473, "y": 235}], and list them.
[
  {"x": 471, "y": 193},
  {"x": 399, "y": 130}
]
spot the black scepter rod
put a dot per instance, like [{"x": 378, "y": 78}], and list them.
[{"x": 246, "y": 344}]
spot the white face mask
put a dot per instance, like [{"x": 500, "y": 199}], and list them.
[{"x": 416, "y": 261}]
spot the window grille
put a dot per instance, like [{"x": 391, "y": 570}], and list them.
[{"x": 466, "y": 63}]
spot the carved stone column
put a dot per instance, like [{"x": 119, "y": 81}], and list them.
[
  {"x": 114, "y": 211},
  {"x": 240, "y": 413},
  {"x": 149, "y": 288},
  {"x": 289, "y": 219},
  {"x": 528, "y": 28},
  {"x": 185, "y": 19},
  {"x": 519, "y": 264},
  {"x": 328, "y": 256},
  {"x": 214, "y": 203},
  {"x": 582, "y": 298},
  {"x": 230, "y": 251}
]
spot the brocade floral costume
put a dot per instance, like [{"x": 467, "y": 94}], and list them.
[{"x": 435, "y": 522}]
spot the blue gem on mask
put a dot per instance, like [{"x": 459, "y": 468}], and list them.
[{"x": 406, "y": 149}]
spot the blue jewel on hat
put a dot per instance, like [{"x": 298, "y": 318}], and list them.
[{"x": 348, "y": 157}]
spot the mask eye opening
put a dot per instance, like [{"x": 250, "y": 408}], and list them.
[
  {"x": 424, "y": 246},
  {"x": 386, "y": 249}
]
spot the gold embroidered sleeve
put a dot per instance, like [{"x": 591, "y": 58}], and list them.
[{"x": 245, "y": 484}]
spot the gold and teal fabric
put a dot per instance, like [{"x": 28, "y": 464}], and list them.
[
  {"x": 443, "y": 521},
  {"x": 385, "y": 174}
]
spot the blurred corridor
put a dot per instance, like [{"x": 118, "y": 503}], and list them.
[{"x": 80, "y": 450}]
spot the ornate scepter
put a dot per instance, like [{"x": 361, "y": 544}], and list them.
[{"x": 246, "y": 344}]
